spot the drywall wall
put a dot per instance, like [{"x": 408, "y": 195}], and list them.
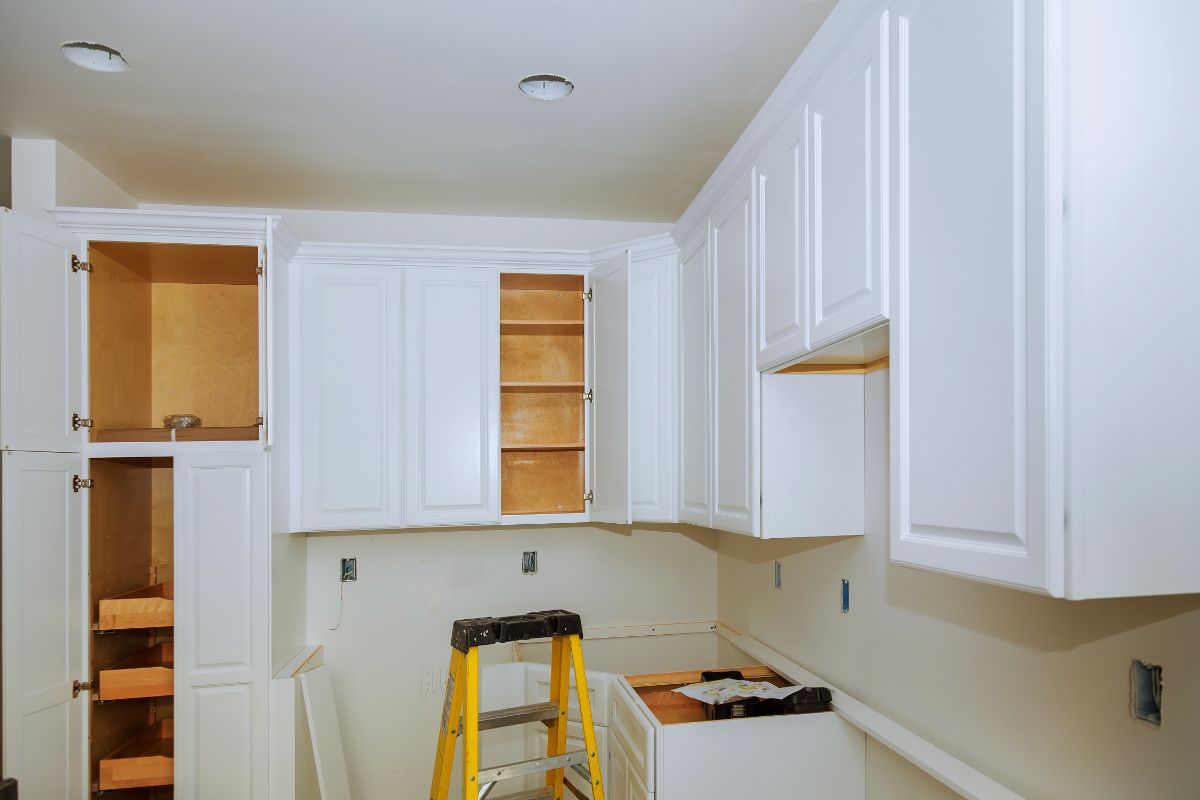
[
  {"x": 46, "y": 173},
  {"x": 448, "y": 229},
  {"x": 1030, "y": 690},
  {"x": 78, "y": 184},
  {"x": 390, "y": 642}
]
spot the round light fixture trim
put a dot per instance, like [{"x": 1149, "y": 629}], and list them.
[
  {"x": 547, "y": 88},
  {"x": 93, "y": 56}
]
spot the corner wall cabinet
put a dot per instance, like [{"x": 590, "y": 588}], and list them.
[{"x": 136, "y": 560}]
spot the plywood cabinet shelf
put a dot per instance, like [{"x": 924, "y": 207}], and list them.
[
  {"x": 542, "y": 326},
  {"x": 533, "y": 447},
  {"x": 542, "y": 386},
  {"x": 149, "y": 673},
  {"x": 147, "y": 759},
  {"x": 247, "y": 433},
  {"x": 147, "y": 607}
]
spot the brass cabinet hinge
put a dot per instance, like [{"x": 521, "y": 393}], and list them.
[
  {"x": 588, "y": 295},
  {"x": 260, "y": 420},
  {"x": 589, "y": 395},
  {"x": 80, "y": 686},
  {"x": 78, "y": 422},
  {"x": 78, "y": 483},
  {"x": 590, "y": 497},
  {"x": 78, "y": 265},
  {"x": 262, "y": 264}
]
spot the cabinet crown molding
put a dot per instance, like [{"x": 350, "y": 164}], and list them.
[{"x": 160, "y": 225}]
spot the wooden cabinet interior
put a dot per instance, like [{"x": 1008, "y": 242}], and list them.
[
  {"x": 131, "y": 565},
  {"x": 671, "y": 708},
  {"x": 173, "y": 329},
  {"x": 541, "y": 401}
]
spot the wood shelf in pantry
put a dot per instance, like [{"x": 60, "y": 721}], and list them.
[
  {"x": 246, "y": 433},
  {"x": 150, "y": 673},
  {"x": 541, "y": 326},
  {"x": 542, "y": 386},
  {"x": 147, "y": 759},
  {"x": 147, "y": 607},
  {"x": 516, "y": 448}
]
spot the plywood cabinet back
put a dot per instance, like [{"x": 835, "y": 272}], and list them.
[{"x": 173, "y": 329}]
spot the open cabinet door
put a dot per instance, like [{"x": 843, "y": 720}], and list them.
[
  {"x": 44, "y": 625},
  {"x": 611, "y": 495},
  {"x": 40, "y": 346}
]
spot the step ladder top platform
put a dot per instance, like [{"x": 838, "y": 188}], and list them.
[{"x": 483, "y": 631}]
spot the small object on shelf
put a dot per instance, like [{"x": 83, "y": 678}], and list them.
[
  {"x": 147, "y": 759},
  {"x": 181, "y": 421},
  {"x": 149, "y": 673},
  {"x": 147, "y": 607}
]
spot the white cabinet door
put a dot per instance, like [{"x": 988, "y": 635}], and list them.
[
  {"x": 622, "y": 782},
  {"x": 694, "y": 381},
  {"x": 652, "y": 389},
  {"x": 44, "y": 625},
  {"x": 735, "y": 378},
  {"x": 968, "y": 347},
  {"x": 782, "y": 274},
  {"x": 350, "y": 457},
  {"x": 452, "y": 393},
  {"x": 41, "y": 371},
  {"x": 222, "y": 635},
  {"x": 611, "y": 390},
  {"x": 847, "y": 145}
]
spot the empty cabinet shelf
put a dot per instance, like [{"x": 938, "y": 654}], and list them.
[
  {"x": 148, "y": 607},
  {"x": 149, "y": 673},
  {"x": 148, "y": 759}
]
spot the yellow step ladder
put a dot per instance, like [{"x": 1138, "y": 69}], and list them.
[{"x": 565, "y": 631}]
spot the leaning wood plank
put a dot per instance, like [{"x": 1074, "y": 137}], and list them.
[
  {"x": 148, "y": 607},
  {"x": 325, "y": 733},
  {"x": 146, "y": 760}
]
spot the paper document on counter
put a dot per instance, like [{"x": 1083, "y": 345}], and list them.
[{"x": 722, "y": 691}]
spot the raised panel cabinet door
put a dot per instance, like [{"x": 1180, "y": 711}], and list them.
[
  {"x": 222, "y": 631},
  {"x": 695, "y": 433},
  {"x": 44, "y": 625},
  {"x": 41, "y": 368},
  {"x": 452, "y": 396},
  {"x": 968, "y": 337},
  {"x": 350, "y": 361},
  {"x": 735, "y": 377},
  {"x": 847, "y": 127},
  {"x": 652, "y": 389},
  {"x": 782, "y": 273},
  {"x": 610, "y": 444}
]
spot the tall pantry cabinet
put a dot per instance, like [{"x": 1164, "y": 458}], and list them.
[{"x": 136, "y": 557}]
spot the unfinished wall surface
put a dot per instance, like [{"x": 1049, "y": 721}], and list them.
[
  {"x": 1029, "y": 690},
  {"x": 390, "y": 642}
]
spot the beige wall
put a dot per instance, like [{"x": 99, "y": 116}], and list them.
[
  {"x": 1031, "y": 691},
  {"x": 389, "y": 654}
]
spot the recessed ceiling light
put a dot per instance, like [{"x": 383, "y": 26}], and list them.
[
  {"x": 96, "y": 57},
  {"x": 546, "y": 87}
]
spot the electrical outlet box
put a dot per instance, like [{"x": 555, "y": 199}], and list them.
[
  {"x": 1145, "y": 691},
  {"x": 529, "y": 562},
  {"x": 349, "y": 569},
  {"x": 778, "y": 575}
]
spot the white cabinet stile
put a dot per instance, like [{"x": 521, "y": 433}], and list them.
[
  {"x": 610, "y": 365},
  {"x": 222, "y": 635},
  {"x": 41, "y": 378},
  {"x": 350, "y": 383},
  {"x": 652, "y": 420},
  {"x": 44, "y": 624},
  {"x": 452, "y": 391},
  {"x": 735, "y": 498},
  {"x": 847, "y": 125},
  {"x": 695, "y": 433}
]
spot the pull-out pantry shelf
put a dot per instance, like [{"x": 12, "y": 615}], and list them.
[
  {"x": 148, "y": 759},
  {"x": 148, "y": 607},
  {"x": 150, "y": 673}
]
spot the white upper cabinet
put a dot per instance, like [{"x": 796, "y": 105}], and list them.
[
  {"x": 846, "y": 123},
  {"x": 452, "y": 395},
  {"x": 695, "y": 434},
  {"x": 40, "y": 316},
  {"x": 222, "y": 633},
  {"x": 610, "y": 446},
  {"x": 971, "y": 491},
  {"x": 652, "y": 410},
  {"x": 350, "y": 403},
  {"x": 735, "y": 499},
  {"x": 782, "y": 275},
  {"x": 44, "y": 625}
]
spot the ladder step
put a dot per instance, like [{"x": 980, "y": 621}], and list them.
[
  {"x": 545, "y": 793},
  {"x": 518, "y": 715},
  {"x": 532, "y": 767}
]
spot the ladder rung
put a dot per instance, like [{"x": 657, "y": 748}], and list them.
[
  {"x": 531, "y": 767},
  {"x": 518, "y": 715},
  {"x": 544, "y": 793}
]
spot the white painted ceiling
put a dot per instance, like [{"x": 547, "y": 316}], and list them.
[{"x": 403, "y": 105}]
